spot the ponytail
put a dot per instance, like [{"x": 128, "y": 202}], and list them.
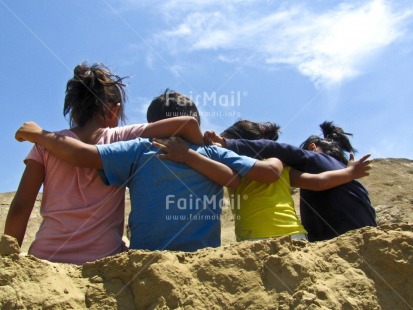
[
  {"x": 337, "y": 134},
  {"x": 92, "y": 90},
  {"x": 335, "y": 142}
]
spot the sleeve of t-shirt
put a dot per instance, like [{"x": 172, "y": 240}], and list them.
[
  {"x": 118, "y": 160},
  {"x": 238, "y": 163},
  {"x": 36, "y": 153},
  {"x": 290, "y": 155},
  {"x": 40, "y": 154}
]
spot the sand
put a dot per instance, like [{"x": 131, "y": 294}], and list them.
[{"x": 369, "y": 268}]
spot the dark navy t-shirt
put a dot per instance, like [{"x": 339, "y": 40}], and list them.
[{"x": 324, "y": 214}]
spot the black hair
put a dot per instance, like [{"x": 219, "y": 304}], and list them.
[
  {"x": 171, "y": 104},
  {"x": 92, "y": 90},
  {"x": 335, "y": 142},
  {"x": 244, "y": 129}
]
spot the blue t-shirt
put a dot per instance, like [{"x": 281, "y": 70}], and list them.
[
  {"x": 173, "y": 207},
  {"x": 324, "y": 214}
]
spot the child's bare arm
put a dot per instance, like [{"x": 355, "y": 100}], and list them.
[
  {"x": 177, "y": 150},
  {"x": 68, "y": 149},
  {"x": 186, "y": 127},
  {"x": 330, "y": 179},
  {"x": 23, "y": 201},
  {"x": 266, "y": 171}
]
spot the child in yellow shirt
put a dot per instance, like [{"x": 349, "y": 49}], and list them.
[{"x": 267, "y": 210}]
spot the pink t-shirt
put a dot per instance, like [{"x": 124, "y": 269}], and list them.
[{"x": 83, "y": 219}]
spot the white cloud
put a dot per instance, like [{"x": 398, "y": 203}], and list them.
[
  {"x": 176, "y": 70},
  {"x": 328, "y": 47}
]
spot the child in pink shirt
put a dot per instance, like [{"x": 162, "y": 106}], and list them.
[{"x": 83, "y": 219}]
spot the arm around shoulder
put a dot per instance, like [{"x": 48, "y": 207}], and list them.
[
  {"x": 329, "y": 179},
  {"x": 186, "y": 127},
  {"x": 215, "y": 171},
  {"x": 73, "y": 151},
  {"x": 178, "y": 150},
  {"x": 68, "y": 149},
  {"x": 266, "y": 171}
]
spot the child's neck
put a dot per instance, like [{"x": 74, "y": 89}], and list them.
[{"x": 91, "y": 132}]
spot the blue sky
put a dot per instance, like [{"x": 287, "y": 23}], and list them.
[{"x": 296, "y": 63}]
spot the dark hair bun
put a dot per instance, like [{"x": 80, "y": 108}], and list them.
[
  {"x": 337, "y": 135},
  {"x": 85, "y": 75}
]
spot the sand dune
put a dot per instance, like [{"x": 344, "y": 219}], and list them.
[{"x": 369, "y": 268}]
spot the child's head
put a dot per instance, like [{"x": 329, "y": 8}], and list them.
[
  {"x": 171, "y": 104},
  {"x": 244, "y": 129},
  {"x": 93, "y": 90},
  {"x": 335, "y": 142}
]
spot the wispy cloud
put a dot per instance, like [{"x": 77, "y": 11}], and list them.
[{"x": 328, "y": 46}]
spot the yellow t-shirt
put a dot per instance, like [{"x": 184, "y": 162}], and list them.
[{"x": 264, "y": 210}]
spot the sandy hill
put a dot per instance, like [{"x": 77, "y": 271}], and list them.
[{"x": 370, "y": 268}]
